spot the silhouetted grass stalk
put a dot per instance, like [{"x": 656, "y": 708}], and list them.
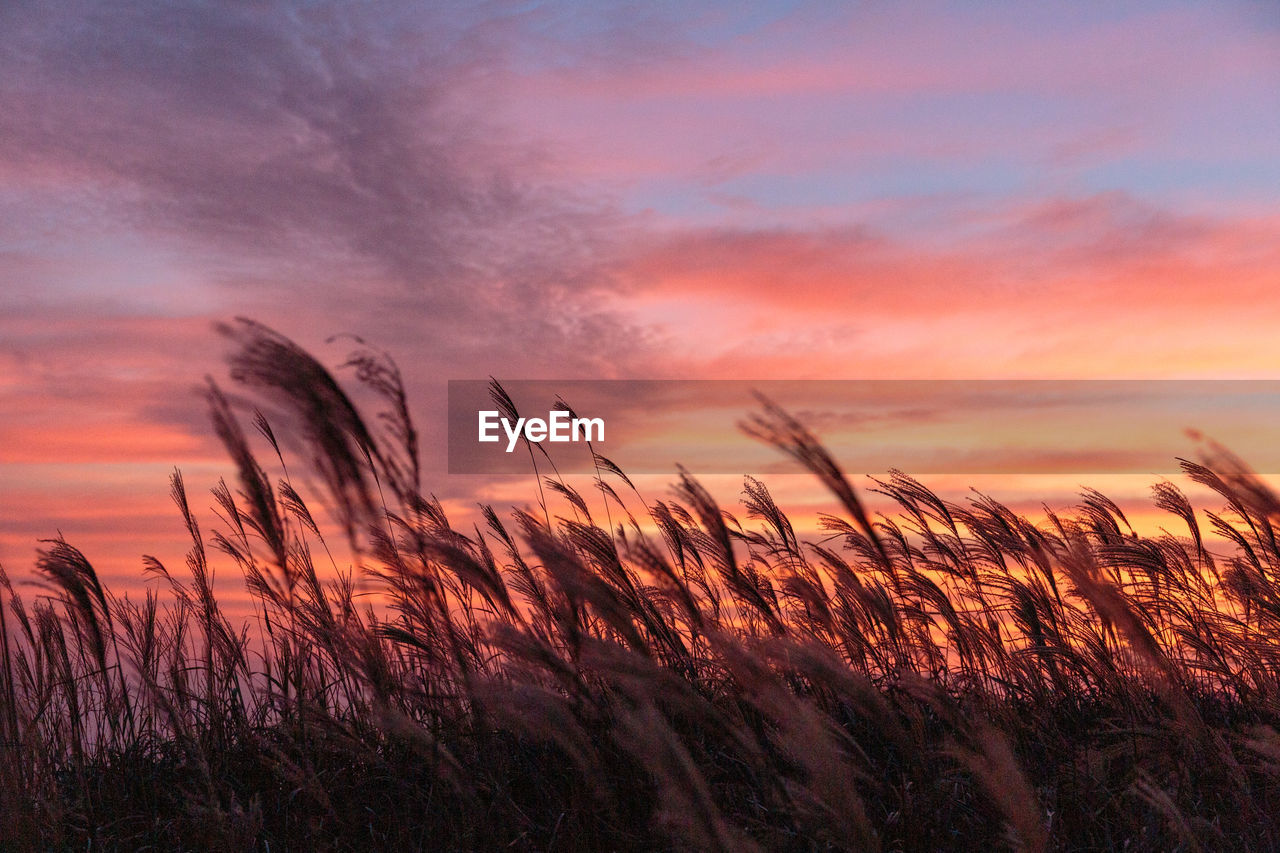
[{"x": 949, "y": 675}]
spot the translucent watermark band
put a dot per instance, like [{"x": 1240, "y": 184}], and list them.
[{"x": 869, "y": 426}]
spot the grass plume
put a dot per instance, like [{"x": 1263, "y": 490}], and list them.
[{"x": 944, "y": 675}]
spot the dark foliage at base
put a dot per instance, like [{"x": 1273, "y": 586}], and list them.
[{"x": 606, "y": 672}]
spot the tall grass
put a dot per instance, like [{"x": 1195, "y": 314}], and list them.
[{"x": 946, "y": 676}]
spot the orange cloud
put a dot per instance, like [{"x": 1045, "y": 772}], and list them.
[{"x": 1101, "y": 286}]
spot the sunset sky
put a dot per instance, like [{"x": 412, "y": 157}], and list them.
[{"x": 572, "y": 190}]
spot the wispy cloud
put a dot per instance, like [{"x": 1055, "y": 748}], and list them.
[{"x": 556, "y": 190}]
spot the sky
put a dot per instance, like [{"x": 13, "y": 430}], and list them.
[{"x": 606, "y": 190}]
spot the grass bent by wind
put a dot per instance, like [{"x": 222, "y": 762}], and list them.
[{"x": 610, "y": 672}]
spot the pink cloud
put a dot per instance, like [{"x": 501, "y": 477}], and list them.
[
  {"x": 1048, "y": 286},
  {"x": 842, "y": 89}
]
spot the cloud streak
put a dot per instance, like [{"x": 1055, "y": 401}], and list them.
[{"x": 627, "y": 191}]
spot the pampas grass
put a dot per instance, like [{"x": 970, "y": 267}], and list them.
[{"x": 946, "y": 676}]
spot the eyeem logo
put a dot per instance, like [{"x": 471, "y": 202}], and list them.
[{"x": 558, "y": 427}]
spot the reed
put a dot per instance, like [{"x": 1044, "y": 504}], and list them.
[{"x": 943, "y": 676}]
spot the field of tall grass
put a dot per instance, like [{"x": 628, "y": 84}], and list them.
[{"x": 611, "y": 671}]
